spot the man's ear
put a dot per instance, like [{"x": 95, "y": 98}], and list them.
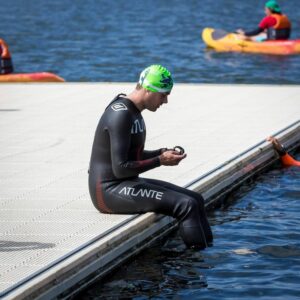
[{"x": 147, "y": 91}]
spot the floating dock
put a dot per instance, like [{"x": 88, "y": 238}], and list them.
[{"x": 52, "y": 240}]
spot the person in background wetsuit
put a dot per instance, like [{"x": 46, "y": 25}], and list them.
[
  {"x": 275, "y": 26},
  {"x": 118, "y": 158},
  {"x": 285, "y": 158},
  {"x": 6, "y": 66}
]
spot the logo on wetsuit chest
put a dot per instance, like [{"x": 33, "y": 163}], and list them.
[
  {"x": 119, "y": 106},
  {"x": 138, "y": 126},
  {"x": 129, "y": 191}
]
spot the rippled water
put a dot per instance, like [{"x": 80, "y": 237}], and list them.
[
  {"x": 103, "y": 40},
  {"x": 256, "y": 252}
]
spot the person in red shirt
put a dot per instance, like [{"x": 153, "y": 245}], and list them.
[
  {"x": 6, "y": 65},
  {"x": 274, "y": 26},
  {"x": 286, "y": 159}
]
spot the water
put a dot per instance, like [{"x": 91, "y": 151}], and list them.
[
  {"x": 256, "y": 252},
  {"x": 103, "y": 40}
]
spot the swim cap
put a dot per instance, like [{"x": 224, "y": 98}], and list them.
[
  {"x": 273, "y": 6},
  {"x": 156, "y": 78}
]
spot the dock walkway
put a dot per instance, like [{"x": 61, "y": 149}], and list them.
[{"x": 51, "y": 236}]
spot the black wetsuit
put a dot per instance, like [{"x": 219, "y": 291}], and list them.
[{"x": 118, "y": 157}]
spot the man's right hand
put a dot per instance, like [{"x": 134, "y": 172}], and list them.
[{"x": 171, "y": 158}]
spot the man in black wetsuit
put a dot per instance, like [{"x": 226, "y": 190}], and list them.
[{"x": 118, "y": 157}]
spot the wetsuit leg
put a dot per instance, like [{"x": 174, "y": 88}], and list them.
[
  {"x": 201, "y": 207},
  {"x": 142, "y": 195}
]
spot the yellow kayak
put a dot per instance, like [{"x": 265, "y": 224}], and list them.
[
  {"x": 221, "y": 40},
  {"x": 31, "y": 77}
]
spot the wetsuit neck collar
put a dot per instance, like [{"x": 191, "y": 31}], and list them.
[{"x": 129, "y": 102}]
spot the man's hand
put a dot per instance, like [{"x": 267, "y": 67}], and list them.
[
  {"x": 277, "y": 146},
  {"x": 171, "y": 158}
]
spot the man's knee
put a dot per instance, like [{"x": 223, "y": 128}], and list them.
[
  {"x": 198, "y": 197},
  {"x": 185, "y": 207}
]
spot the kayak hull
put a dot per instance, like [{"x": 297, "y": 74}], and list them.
[
  {"x": 31, "y": 77},
  {"x": 229, "y": 42}
]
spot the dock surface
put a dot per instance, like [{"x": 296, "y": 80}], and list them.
[{"x": 48, "y": 222}]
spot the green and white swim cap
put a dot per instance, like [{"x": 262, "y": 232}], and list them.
[{"x": 156, "y": 78}]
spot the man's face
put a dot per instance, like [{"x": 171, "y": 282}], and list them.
[
  {"x": 155, "y": 100},
  {"x": 267, "y": 11}
]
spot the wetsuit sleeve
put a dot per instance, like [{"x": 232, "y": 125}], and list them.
[
  {"x": 280, "y": 149},
  {"x": 254, "y": 32},
  {"x": 150, "y": 154},
  {"x": 120, "y": 134}
]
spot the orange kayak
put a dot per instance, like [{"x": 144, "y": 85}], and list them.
[
  {"x": 223, "y": 41},
  {"x": 31, "y": 77}
]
